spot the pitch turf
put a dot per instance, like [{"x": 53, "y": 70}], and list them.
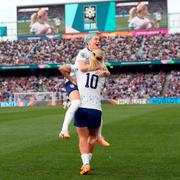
[
  {"x": 23, "y": 28},
  {"x": 145, "y": 144}
]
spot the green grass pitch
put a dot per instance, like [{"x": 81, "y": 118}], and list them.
[
  {"x": 145, "y": 144},
  {"x": 23, "y": 28}
]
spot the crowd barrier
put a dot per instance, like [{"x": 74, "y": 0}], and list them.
[
  {"x": 13, "y": 104},
  {"x": 104, "y": 101},
  {"x": 164, "y": 101},
  {"x": 167, "y": 100}
]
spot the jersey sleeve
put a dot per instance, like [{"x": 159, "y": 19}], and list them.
[
  {"x": 132, "y": 24},
  {"x": 34, "y": 29},
  {"x": 81, "y": 56},
  {"x": 74, "y": 68}
]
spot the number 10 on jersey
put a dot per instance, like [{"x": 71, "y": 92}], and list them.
[{"x": 92, "y": 81}]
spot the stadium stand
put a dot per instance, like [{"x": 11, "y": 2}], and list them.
[
  {"x": 9, "y": 85},
  {"x": 119, "y": 48},
  {"x": 124, "y": 85},
  {"x": 173, "y": 89},
  {"x": 136, "y": 85}
]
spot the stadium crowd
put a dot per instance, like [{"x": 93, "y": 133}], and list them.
[
  {"x": 135, "y": 85},
  {"x": 118, "y": 48},
  {"x": 126, "y": 85},
  {"x": 173, "y": 89},
  {"x": 11, "y": 85}
]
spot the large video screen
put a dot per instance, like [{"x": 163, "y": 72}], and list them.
[
  {"x": 40, "y": 20},
  {"x": 86, "y": 17},
  {"x": 141, "y": 15},
  {"x": 130, "y": 16}
]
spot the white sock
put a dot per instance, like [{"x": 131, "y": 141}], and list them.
[
  {"x": 90, "y": 156},
  {"x": 100, "y": 129},
  {"x": 70, "y": 114},
  {"x": 85, "y": 159}
]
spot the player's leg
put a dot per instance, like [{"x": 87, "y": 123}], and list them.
[
  {"x": 93, "y": 133},
  {"x": 100, "y": 138},
  {"x": 81, "y": 124},
  {"x": 93, "y": 119},
  {"x": 75, "y": 103},
  {"x": 83, "y": 134},
  {"x": 87, "y": 150}
]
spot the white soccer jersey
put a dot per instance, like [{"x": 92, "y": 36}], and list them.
[
  {"x": 57, "y": 21},
  {"x": 136, "y": 22},
  {"x": 83, "y": 55},
  {"x": 37, "y": 27},
  {"x": 90, "y": 86},
  {"x": 158, "y": 16}
]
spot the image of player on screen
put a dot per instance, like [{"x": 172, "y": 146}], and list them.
[
  {"x": 58, "y": 23},
  {"x": 158, "y": 18},
  {"x": 39, "y": 23},
  {"x": 138, "y": 18}
]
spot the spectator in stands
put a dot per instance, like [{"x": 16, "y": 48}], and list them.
[
  {"x": 117, "y": 48},
  {"x": 173, "y": 89},
  {"x": 126, "y": 85}
]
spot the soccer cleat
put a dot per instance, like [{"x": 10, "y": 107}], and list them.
[
  {"x": 64, "y": 135},
  {"x": 85, "y": 169},
  {"x": 103, "y": 142}
]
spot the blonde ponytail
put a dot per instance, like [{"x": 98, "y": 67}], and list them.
[
  {"x": 132, "y": 13},
  {"x": 34, "y": 19},
  {"x": 95, "y": 60}
]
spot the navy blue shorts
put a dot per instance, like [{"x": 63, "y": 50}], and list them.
[
  {"x": 70, "y": 87},
  {"x": 90, "y": 118}
]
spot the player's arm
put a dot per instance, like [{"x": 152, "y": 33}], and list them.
[
  {"x": 43, "y": 31},
  {"x": 65, "y": 70},
  {"x": 83, "y": 67},
  {"x": 104, "y": 72},
  {"x": 143, "y": 25}
]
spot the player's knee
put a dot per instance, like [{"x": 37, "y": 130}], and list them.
[
  {"x": 83, "y": 141},
  {"x": 75, "y": 104}
]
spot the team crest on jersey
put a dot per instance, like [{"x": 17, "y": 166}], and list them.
[
  {"x": 82, "y": 54},
  {"x": 72, "y": 86}
]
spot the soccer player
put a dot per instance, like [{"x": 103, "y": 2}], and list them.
[
  {"x": 158, "y": 17},
  {"x": 88, "y": 116},
  {"x": 58, "y": 23},
  {"x": 82, "y": 62},
  {"x": 39, "y": 23},
  {"x": 140, "y": 20}
]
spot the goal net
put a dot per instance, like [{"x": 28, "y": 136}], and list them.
[{"x": 36, "y": 98}]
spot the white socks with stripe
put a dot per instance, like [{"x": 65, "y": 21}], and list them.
[
  {"x": 70, "y": 114},
  {"x": 86, "y": 158},
  {"x": 90, "y": 156}
]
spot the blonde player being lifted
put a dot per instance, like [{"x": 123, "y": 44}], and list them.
[
  {"x": 82, "y": 62},
  {"x": 88, "y": 116}
]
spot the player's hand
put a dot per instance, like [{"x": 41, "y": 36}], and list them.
[
  {"x": 52, "y": 28},
  {"x": 100, "y": 73},
  {"x": 101, "y": 67}
]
